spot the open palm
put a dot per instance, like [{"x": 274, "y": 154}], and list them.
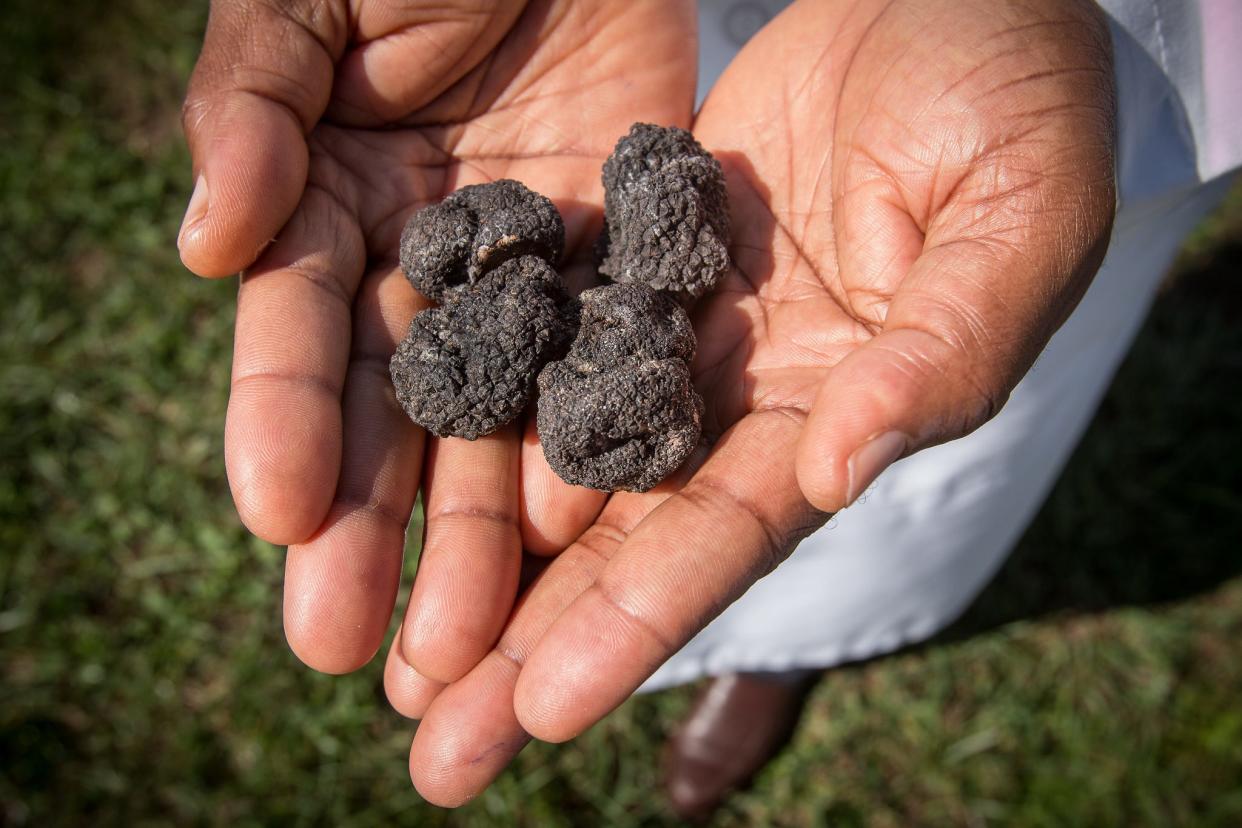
[
  {"x": 920, "y": 192},
  {"x": 324, "y": 126}
]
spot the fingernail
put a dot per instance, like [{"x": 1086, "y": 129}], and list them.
[
  {"x": 871, "y": 458},
  {"x": 195, "y": 212}
]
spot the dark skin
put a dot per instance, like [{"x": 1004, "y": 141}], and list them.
[
  {"x": 921, "y": 191},
  {"x": 338, "y": 121}
]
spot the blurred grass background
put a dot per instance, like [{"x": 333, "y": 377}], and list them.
[{"x": 144, "y": 679}]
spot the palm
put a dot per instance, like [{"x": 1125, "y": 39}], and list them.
[
  {"x": 858, "y": 158},
  {"x": 783, "y": 315},
  {"x": 781, "y": 318}
]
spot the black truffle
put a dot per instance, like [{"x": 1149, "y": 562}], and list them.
[
  {"x": 449, "y": 245},
  {"x": 620, "y": 412},
  {"x": 469, "y": 366},
  {"x": 666, "y": 217}
]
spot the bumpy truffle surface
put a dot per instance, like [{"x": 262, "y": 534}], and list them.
[
  {"x": 468, "y": 367},
  {"x": 620, "y": 412},
  {"x": 448, "y": 246},
  {"x": 666, "y": 216}
]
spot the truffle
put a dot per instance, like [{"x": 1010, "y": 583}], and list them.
[
  {"x": 450, "y": 245},
  {"x": 469, "y": 366},
  {"x": 666, "y": 217},
  {"x": 620, "y": 412}
]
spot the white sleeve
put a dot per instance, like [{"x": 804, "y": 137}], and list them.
[{"x": 1195, "y": 46}]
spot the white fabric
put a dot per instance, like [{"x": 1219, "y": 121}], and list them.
[{"x": 906, "y": 560}]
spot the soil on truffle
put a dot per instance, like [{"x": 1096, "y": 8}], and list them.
[
  {"x": 450, "y": 245},
  {"x": 620, "y": 412},
  {"x": 469, "y": 366}
]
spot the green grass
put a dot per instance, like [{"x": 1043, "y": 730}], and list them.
[{"x": 144, "y": 678}]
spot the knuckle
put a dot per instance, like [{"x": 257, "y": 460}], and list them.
[
  {"x": 614, "y": 599},
  {"x": 193, "y": 110}
]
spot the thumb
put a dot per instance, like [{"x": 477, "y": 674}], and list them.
[
  {"x": 968, "y": 322},
  {"x": 262, "y": 81}
]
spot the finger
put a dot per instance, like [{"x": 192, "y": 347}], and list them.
[
  {"x": 553, "y": 513},
  {"x": 409, "y": 693},
  {"x": 472, "y": 555},
  {"x": 262, "y": 80},
  {"x": 736, "y": 519},
  {"x": 470, "y": 733},
  {"x": 283, "y": 429},
  {"x": 966, "y": 324},
  {"x": 341, "y": 584}
]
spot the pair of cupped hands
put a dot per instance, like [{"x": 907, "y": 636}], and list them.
[{"x": 920, "y": 192}]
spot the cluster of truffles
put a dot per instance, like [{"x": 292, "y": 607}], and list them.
[{"x": 617, "y": 409}]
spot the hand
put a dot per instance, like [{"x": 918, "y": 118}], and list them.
[
  {"x": 921, "y": 192},
  {"x": 323, "y": 124}
]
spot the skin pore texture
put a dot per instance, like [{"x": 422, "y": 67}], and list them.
[{"x": 920, "y": 191}]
